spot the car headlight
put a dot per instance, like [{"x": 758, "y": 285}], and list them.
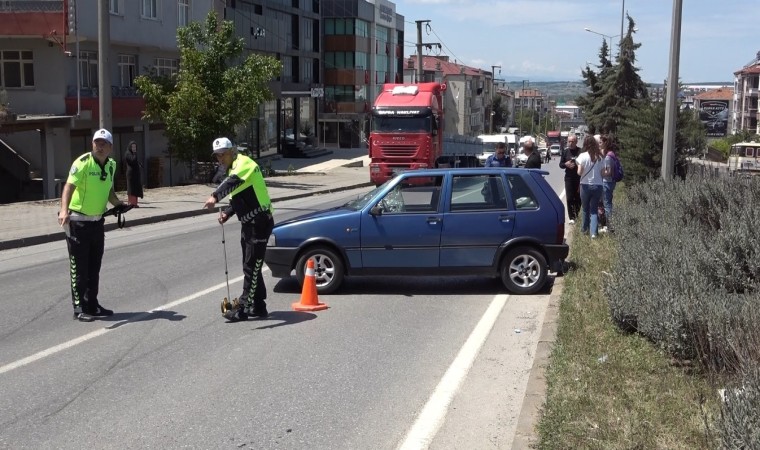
[{"x": 272, "y": 241}]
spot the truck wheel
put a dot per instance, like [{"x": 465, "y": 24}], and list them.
[
  {"x": 523, "y": 271},
  {"x": 328, "y": 269}
]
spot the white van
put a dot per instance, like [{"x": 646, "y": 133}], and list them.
[{"x": 489, "y": 145}]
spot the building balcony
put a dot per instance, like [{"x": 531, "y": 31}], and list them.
[
  {"x": 33, "y": 18},
  {"x": 126, "y": 103},
  {"x": 752, "y": 92}
]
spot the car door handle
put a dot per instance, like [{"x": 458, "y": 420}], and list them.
[
  {"x": 506, "y": 218},
  {"x": 433, "y": 220}
]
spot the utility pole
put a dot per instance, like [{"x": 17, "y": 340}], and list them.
[
  {"x": 104, "y": 76},
  {"x": 522, "y": 93},
  {"x": 671, "y": 105},
  {"x": 493, "y": 92},
  {"x": 420, "y": 70}
]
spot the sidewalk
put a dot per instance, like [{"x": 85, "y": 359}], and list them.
[{"x": 30, "y": 223}]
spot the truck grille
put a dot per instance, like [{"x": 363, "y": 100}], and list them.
[{"x": 395, "y": 151}]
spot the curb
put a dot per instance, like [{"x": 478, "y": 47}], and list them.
[
  {"x": 45, "y": 238},
  {"x": 526, "y": 435}
]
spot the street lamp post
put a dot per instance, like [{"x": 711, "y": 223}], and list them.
[{"x": 603, "y": 35}]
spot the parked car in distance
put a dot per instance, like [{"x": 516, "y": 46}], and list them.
[
  {"x": 542, "y": 151},
  {"x": 521, "y": 158},
  {"x": 554, "y": 149},
  {"x": 494, "y": 222}
]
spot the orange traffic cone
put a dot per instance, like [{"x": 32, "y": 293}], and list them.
[{"x": 309, "y": 300}]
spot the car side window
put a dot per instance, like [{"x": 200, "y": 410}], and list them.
[
  {"x": 478, "y": 193},
  {"x": 413, "y": 195},
  {"x": 522, "y": 196}
]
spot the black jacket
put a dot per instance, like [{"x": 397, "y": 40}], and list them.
[
  {"x": 534, "y": 161},
  {"x": 567, "y": 155}
]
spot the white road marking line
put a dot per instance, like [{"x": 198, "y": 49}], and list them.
[
  {"x": 421, "y": 435},
  {"x": 111, "y": 327}
]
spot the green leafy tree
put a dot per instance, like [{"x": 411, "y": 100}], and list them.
[
  {"x": 214, "y": 91},
  {"x": 500, "y": 113}
]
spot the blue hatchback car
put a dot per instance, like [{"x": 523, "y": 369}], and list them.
[{"x": 494, "y": 222}]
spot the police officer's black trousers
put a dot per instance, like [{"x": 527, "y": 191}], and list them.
[
  {"x": 253, "y": 240},
  {"x": 85, "y": 241}
]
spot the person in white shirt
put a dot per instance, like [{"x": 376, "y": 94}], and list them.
[{"x": 590, "y": 164}]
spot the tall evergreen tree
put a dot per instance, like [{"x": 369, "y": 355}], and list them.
[
  {"x": 641, "y": 139},
  {"x": 621, "y": 87},
  {"x": 614, "y": 88}
]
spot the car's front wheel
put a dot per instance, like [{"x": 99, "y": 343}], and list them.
[
  {"x": 523, "y": 270},
  {"x": 328, "y": 269}
]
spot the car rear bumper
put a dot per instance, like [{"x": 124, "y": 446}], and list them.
[
  {"x": 280, "y": 261},
  {"x": 556, "y": 254}
]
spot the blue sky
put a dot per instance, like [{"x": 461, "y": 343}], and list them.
[{"x": 545, "y": 40}]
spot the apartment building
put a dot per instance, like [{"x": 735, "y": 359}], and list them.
[
  {"x": 467, "y": 94},
  {"x": 363, "y": 48},
  {"x": 745, "y": 98},
  {"x": 290, "y": 32},
  {"x": 49, "y": 52}
]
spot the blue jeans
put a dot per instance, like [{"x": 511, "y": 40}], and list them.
[
  {"x": 590, "y": 196},
  {"x": 609, "y": 189}
]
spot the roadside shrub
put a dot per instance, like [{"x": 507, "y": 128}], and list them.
[{"x": 688, "y": 278}]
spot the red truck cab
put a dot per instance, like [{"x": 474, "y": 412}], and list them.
[{"x": 406, "y": 129}]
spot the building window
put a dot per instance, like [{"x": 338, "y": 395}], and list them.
[
  {"x": 88, "y": 69},
  {"x": 362, "y": 28},
  {"x": 183, "y": 7},
  {"x": 127, "y": 70},
  {"x": 150, "y": 8},
  {"x": 307, "y": 70},
  {"x": 166, "y": 67},
  {"x": 116, "y": 7},
  {"x": 17, "y": 69}
]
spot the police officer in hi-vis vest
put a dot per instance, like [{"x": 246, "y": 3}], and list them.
[
  {"x": 249, "y": 200},
  {"x": 88, "y": 190}
]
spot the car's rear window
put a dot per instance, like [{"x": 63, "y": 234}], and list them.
[{"x": 478, "y": 192}]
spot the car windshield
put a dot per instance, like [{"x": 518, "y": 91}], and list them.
[{"x": 362, "y": 200}]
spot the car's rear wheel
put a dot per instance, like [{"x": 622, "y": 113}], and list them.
[
  {"x": 523, "y": 270},
  {"x": 328, "y": 269}
]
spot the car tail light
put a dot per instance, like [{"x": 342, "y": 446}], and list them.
[
  {"x": 374, "y": 169},
  {"x": 560, "y": 232}
]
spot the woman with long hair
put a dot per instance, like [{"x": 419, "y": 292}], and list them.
[{"x": 590, "y": 164}]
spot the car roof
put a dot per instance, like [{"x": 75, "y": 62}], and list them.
[{"x": 472, "y": 170}]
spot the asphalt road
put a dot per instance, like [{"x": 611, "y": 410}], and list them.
[{"x": 438, "y": 362}]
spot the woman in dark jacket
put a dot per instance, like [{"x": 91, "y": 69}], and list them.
[{"x": 134, "y": 181}]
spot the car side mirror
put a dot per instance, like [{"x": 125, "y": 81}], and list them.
[{"x": 376, "y": 210}]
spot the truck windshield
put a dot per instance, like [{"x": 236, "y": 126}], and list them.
[{"x": 409, "y": 124}]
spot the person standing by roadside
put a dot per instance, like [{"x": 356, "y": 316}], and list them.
[
  {"x": 249, "y": 200},
  {"x": 567, "y": 161},
  {"x": 134, "y": 179},
  {"x": 534, "y": 159},
  {"x": 608, "y": 150},
  {"x": 590, "y": 172},
  {"x": 87, "y": 192},
  {"x": 499, "y": 157}
]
